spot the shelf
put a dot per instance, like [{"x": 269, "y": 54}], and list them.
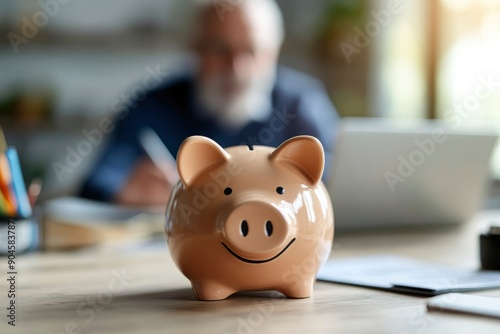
[{"x": 126, "y": 40}]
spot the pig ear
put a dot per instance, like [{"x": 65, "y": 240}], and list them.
[
  {"x": 196, "y": 155},
  {"x": 305, "y": 154}
]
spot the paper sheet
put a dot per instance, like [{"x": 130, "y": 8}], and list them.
[{"x": 406, "y": 275}]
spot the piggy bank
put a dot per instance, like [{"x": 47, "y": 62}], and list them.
[{"x": 250, "y": 218}]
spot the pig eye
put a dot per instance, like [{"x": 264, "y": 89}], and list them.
[
  {"x": 228, "y": 191},
  {"x": 280, "y": 190}
]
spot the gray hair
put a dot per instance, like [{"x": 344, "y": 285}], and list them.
[{"x": 264, "y": 14}]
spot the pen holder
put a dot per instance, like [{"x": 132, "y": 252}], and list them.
[
  {"x": 18, "y": 231},
  {"x": 490, "y": 249}
]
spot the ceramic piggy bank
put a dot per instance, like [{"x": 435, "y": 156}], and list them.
[{"x": 250, "y": 218}]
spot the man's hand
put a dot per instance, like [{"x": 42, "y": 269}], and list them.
[{"x": 147, "y": 185}]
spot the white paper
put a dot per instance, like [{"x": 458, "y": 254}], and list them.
[
  {"x": 459, "y": 302},
  {"x": 403, "y": 274}
]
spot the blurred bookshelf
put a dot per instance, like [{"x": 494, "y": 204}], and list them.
[{"x": 65, "y": 79}]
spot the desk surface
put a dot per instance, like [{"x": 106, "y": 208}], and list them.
[{"x": 79, "y": 292}]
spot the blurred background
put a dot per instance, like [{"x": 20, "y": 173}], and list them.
[{"x": 418, "y": 63}]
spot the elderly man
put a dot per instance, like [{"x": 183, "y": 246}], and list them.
[{"x": 236, "y": 95}]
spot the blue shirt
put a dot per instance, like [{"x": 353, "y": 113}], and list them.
[{"x": 300, "y": 107}]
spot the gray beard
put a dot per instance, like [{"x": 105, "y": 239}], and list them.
[{"x": 253, "y": 104}]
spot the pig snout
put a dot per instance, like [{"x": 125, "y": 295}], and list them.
[{"x": 257, "y": 231}]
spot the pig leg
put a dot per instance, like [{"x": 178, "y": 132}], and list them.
[
  {"x": 302, "y": 290},
  {"x": 211, "y": 290}
]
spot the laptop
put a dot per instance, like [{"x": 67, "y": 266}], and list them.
[{"x": 395, "y": 173}]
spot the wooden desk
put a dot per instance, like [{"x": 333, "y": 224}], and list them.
[{"x": 80, "y": 293}]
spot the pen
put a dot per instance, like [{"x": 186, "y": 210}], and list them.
[
  {"x": 159, "y": 153},
  {"x": 34, "y": 190}
]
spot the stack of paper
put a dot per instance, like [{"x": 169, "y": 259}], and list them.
[{"x": 71, "y": 222}]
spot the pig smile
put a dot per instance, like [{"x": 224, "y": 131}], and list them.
[{"x": 241, "y": 258}]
